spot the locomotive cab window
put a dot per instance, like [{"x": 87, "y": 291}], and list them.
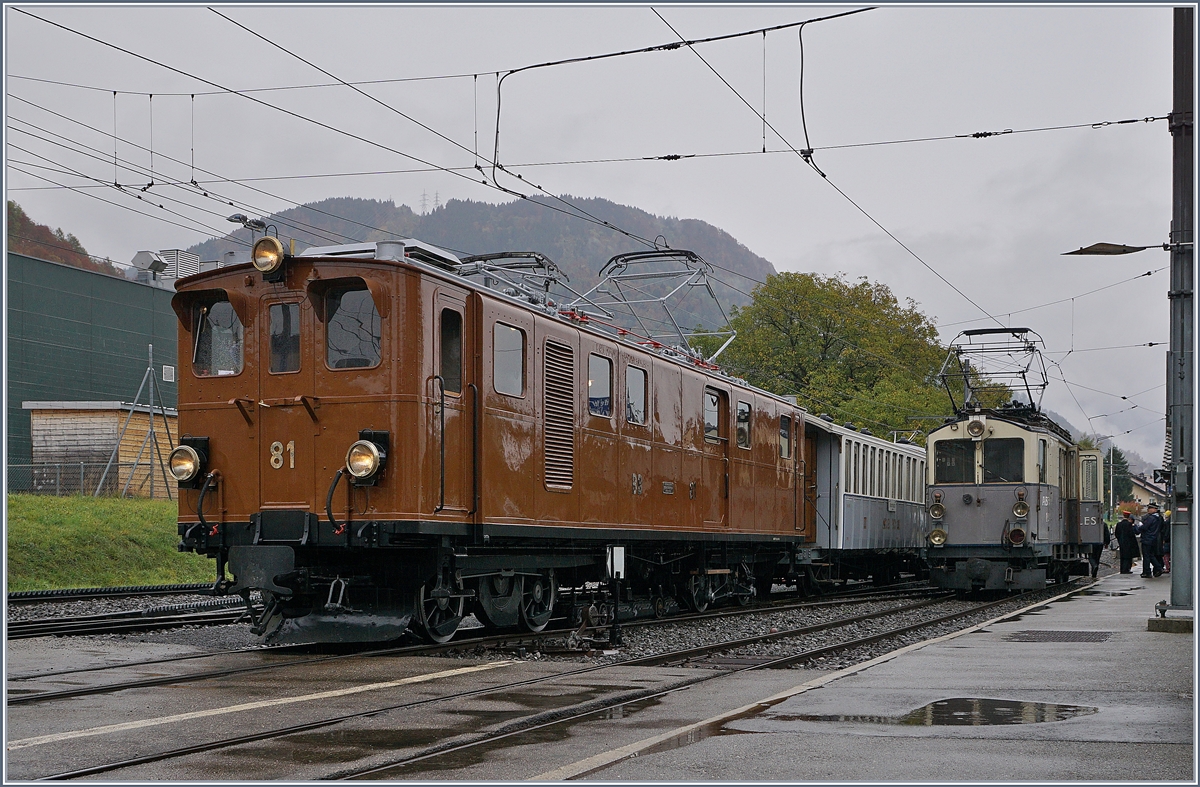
[
  {"x": 508, "y": 360},
  {"x": 285, "y": 337},
  {"x": 599, "y": 385},
  {"x": 785, "y": 439},
  {"x": 352, "y": 329},
  {"x": 743, "y": 425},
  {"x": 712, "y": 415},
  {"x": 635, "y": 395},
  {"x": 451, "y": 341},
  {"x": 1091, "y": 479},
  {"x": 1003, "y": 460},
  {"x": 954, "y": 462},
  {"x": 218, "y": 339}
]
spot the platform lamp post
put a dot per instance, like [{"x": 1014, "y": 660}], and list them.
[{"x": 1181, "y": 382}]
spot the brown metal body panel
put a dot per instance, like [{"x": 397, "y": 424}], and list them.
[{"x": 661, "y": 475}]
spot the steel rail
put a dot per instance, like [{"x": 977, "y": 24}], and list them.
[
  {"x": 122, "y": 622},
  {"x": 293, "y": 729},
  {"x": 78, "y": 594},
  {"x": 498, "y": 641}
]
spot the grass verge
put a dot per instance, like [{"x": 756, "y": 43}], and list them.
[{"x": 79, "y": 542}]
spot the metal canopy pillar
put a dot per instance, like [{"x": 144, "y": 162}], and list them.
[{"x": 1181, "y": 381}]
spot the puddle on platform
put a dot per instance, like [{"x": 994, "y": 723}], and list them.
[
  {"x": 1105, "y": 593},
  {"x": 965, "y": 712}
]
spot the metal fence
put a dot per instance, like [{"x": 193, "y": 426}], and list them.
[{"x": 74, "y": 478}]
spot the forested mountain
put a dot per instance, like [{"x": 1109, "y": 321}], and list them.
[
  {"x": 578, "y": 246},
  {"x": 26, "y": 236}
]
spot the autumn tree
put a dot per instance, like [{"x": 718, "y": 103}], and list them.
[
  {"x": 848, "y": 349},
  {"x": 26, "y": 236}
]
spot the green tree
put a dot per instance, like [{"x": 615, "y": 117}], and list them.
[
  {"x": 1122, "y": 479},
  {"x": 848, "y": 349}
]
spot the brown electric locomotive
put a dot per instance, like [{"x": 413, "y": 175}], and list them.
[{"x": 373, "y": 437}]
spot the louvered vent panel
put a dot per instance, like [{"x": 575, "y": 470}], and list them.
[{"x": 559, "y": 407}]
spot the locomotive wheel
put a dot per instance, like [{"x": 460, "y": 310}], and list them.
[
  {"x": 438, "y": 612},
  {"x": 498, "y": 601},
  {"x": 699, "y": 592},
  {"x": 538, "y": 594}
]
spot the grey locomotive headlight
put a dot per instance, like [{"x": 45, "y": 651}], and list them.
[
  {"x": 937, "y": 537},
  {"x": 1020, "y": 509},
  {"x": 937, "y": 511},
  {"x": 184, "y": 463},
  {"x": 364, "y": 459}
]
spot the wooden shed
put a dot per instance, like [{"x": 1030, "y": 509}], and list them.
[{"x": 72, "y": 443}]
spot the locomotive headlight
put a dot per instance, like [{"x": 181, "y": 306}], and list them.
[
  {"x": 1016, "y": 536},
  {"x": 937, "y": 537},
  {"x": 364, "y": 459},
  {"x": 268, "y": 254},
  {"x": 1020, "y": 509},
  {"x": 975, "y": 428},
  {"x": 184, "y": 463},
  {"x": 937, "y": 511}
]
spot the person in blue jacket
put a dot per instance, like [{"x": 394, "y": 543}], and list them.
[{"x": 1151, "y": 529}]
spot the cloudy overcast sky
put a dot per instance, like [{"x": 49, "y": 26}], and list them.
[{"x": 991, "y": 215}]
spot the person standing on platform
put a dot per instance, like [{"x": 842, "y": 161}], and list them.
[
  {"x": 1127, "y": 542},
  {"x": 1166, "y": 542},
  {"x": 1150, "y": 529}
]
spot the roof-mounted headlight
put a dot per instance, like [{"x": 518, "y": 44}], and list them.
[{"x": 268, "y": 254}]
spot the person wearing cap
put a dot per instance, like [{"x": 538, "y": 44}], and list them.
[
  {"x": 1150, "y": 529},
  {"x": 1127, "y": 542}
]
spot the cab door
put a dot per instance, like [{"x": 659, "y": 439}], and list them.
[
  {"x": 456, "y": 402},
  {"x": 286, "y": 415},
  {"x": 714, "y": 473}
]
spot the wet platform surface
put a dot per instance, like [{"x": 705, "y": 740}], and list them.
[{"x": 1076, "y": 690}]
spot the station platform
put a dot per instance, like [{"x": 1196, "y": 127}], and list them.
[{"x": 1076, "y": 689}]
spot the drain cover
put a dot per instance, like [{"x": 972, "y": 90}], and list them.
[{"x": 1059, "y": 636}]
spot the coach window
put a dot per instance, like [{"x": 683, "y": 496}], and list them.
[
  {"x": 712, "y": 415},
  {"x": 218, "y": 340},
  {"x": 743, "y": 425},
  {"x": 785, "y": 438},
  {"x": 855, "y": 477},
  {"x": 954, "y": 462},
  {"x": 508, "y": 360},
  {"x": 1003, "y": 460},
  {"x": 599, "y": 385},
  {"x": 285, "y": 337},
  {"x": 451, "y": 338},
  {"x": 352, "y": 329},
  {"x": 635, "y": 395}
]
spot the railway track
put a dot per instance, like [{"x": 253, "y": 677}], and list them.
[
  {"x": 471, "y": 640},
  {"x": 218, "y": 612},
  {"x": 532, "y": 724},
  {"x": 84, "y": 594}
]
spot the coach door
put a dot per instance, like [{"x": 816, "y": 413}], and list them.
[
  {"x": 287, "y": 423},
  {"x": 807, "y": 521},
  {"x": 455, "y": 402},
  {"x": 715, "y": 461}
]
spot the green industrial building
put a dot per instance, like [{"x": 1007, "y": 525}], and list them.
[{"x": 77, "y": 335}]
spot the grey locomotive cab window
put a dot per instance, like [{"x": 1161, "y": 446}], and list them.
[
  {"x": 743, "y": 425},
  {"x": 954, "y": 462},
  {"x": 1041, "y": 461},
  {"x": 352, "y": 329},
  {"x": 218, "y": 340},
  {"x": 785, "y": 440},
  {"x": 508, "y": 360},
  {"x": 1003, "y": 460},
  {"x": 635, "y": 395},
  {"x": 712, "y": 415},
  {"x": 285, "y": 337},
  {"x": 599, "y": 385},
  {"x": 451, "y": 339},
  {"x": 1091, "y": 479}
]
